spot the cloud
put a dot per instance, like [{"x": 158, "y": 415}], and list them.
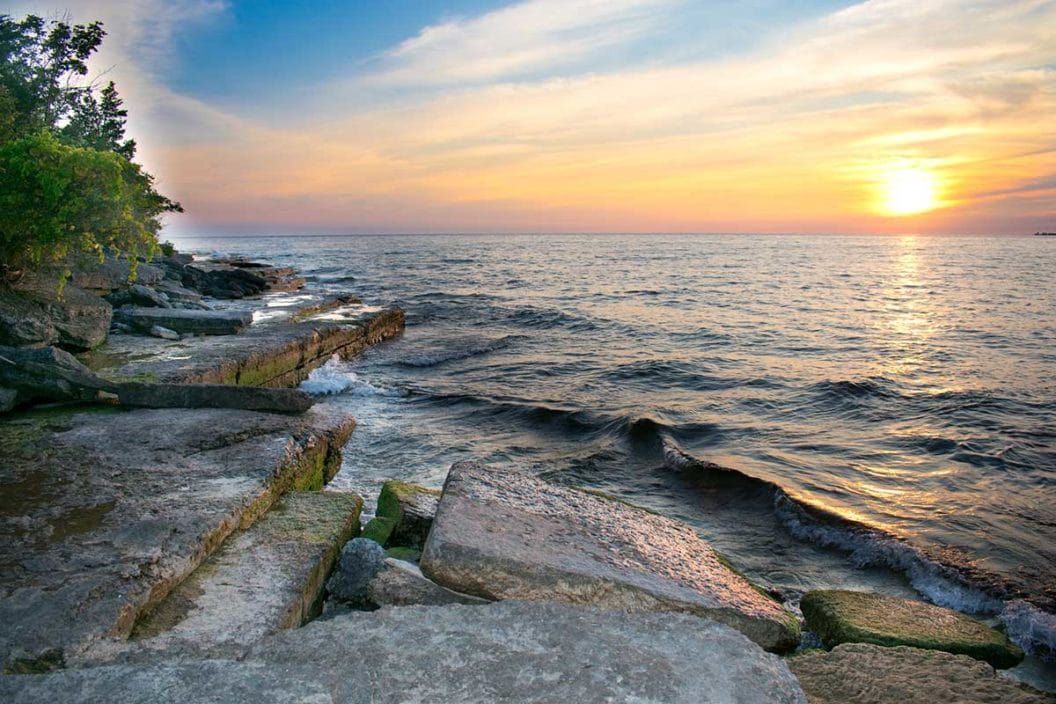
[
  {"x": 528, "y": 133},
  {"x": 520, "y": 39}
]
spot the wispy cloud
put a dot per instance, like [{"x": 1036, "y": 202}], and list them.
[{"x": 520, "y": 39}]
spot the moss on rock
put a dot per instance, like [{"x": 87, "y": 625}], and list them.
[
  {"x": 411, "y": 508},
  {"x": 379, "y": 529},
  {"x": 839, "y": 616}
]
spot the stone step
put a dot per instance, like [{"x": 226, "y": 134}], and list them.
[
  {"x": 106, "y": 511},
  {"x": 281, "y": 353},
  {"x": 264, "y": 579},
  {"x": 197, "y": 322}
]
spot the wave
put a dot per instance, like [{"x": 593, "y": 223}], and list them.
[
  {"x": 439, "y": 357},
  {"x": 332, "y": 378},
  {"x": 947, "y": 578}
]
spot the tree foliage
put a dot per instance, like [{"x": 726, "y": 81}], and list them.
[{"x": 67, "y": 181}]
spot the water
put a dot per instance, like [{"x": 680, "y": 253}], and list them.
[{"x": 887, "y": 403}]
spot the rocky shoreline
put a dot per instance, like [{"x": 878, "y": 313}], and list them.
[{"x": 168, "y": 536}]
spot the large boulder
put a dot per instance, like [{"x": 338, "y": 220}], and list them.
[
  {"x": 238, "y": 278},
  {"x": 506, "y": 535},
  {"x": 524, "y": 653},
  {"x": 860, "y": 673},
  {"x": 411, "y": 508},
  {"x": 39, "y": 311},
  {"x": 840, "y": 616},
  {"x": 139, "y": 295}
]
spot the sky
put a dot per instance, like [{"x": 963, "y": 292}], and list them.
[{"x": 805, "y": 116}]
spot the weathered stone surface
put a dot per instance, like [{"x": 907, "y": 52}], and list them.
[
  {"x": 37, "y": 311},
  {"x": 411, "y": 507},
  {"x": 403, "y": 584},
  {"x": 163, "y": 333},
  {"x": 506, "y": 535},
  {"x": 49, "y": 374},
  {"x": 103, "y": 512},
  {"x": 264, "y": 579},
  {"x": 198, "y": 322},
  {"x": 180, "y": 296},
  {"x": 238, "y": 278},
  {"x": 839, "y": 616},
  {"x": 509, "y": 652},
  {"x": 250, "y": 398},
  {"x": 361, "y": 560},
  {"x": 379, "y": 529},
  {"x": 138, "y": 295},
  {"x": 113, "y": 274},
  {"x": 859, "y": 673},
  {"x": 267, "y": 354}
]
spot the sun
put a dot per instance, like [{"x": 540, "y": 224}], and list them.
[{"x": 909, "y": 191}]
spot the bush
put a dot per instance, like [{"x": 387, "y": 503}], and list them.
[{"x": 57, "y": 199}]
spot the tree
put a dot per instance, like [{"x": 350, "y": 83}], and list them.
[
  {"x": 67, "y": 181},
  {"x": 57, "y": 199},
  {"x": 99, "y": 123},
  {"x": 41, "y": 63}
]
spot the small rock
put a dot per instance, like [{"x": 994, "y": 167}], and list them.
[
  {"x": 403, "y": 584},
  {"x": 8, "y": 399},
  {"x": 862, "y": 673},
  {"x": 839, "y": 616},
  {"x": 164, "y": 333},
  {"x": 361, "y": 560},
  {"x": 411, "y": 507}
]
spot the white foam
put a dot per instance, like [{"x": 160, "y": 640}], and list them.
[
  {"x": 1030, "y": 628},
  {"x": 333, "y": 378},
  {"x": 872, "y": 548}
]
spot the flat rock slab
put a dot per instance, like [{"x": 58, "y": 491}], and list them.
[
  {"x": 840, "y": 616},
  {"x": 403, "y": 584},
  {"x": 250, "y": 398},
  {"x": 272, "y": 353},
  {"x": 264, "y": 579},
  {"x": 193, "y": 321},
  {"x": 859, "y": 673},
  {"x": 509, "y": 652},
  {"x": 506, "y": 535},
  {"x": 103, "y": 511}
]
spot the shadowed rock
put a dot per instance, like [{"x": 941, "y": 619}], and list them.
[
  {"x": 499, "y": 653},
  {"x": 197, "y": 322},
  {"x": 410, "y": 508},
  {"x": 49, "y": 374},
  {"x": 403, "y": 584},
  {"x": 859, "y": 673},
  {"x": 38, "y": 311},
  {"x": 506, "y": 535},
  {"x": 250, "y": 398},
  {"x": 361, "y": 559},
  {"x": 839, "y": 616}
]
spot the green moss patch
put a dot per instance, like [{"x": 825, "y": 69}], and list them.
[
  {"x": 401, "y": 553},
  {"x": 858, "y": 617},
  {"x": 391, "y": 494},
  {"x": 379, "y": 529}
]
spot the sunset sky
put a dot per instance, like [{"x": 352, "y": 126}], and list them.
[{"x": 271, "y": 116}]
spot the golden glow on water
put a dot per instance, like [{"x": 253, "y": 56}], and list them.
[{"x": 909, "y": 191}]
